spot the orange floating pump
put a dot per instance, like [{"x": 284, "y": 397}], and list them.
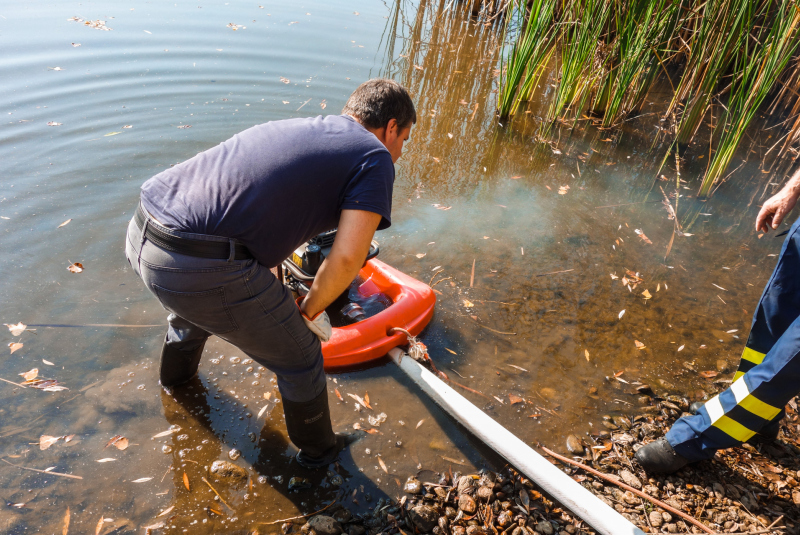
[{"x": 389, "y": 297}]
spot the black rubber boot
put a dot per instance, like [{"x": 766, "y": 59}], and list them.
[
  {"x": 659, "y": 458},
  {"x": 178, "y": 366},
  {"x": 309, "y": 427},
  {"x": 767, "y": 434}
]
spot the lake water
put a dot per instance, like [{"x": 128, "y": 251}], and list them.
[{"x": 545, "y": 226}]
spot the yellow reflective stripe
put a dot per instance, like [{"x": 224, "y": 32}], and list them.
[
  {"x": 737, "y": 375},
  {"x": 749, "y": 402},
  {"x": 734, "y": 429},
  {"x": 753, "y": 356}
]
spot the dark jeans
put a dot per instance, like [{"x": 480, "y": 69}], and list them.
[{"x": 240, "y": 301}]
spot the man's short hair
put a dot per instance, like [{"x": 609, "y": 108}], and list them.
[{"x": 377, "y": 101}]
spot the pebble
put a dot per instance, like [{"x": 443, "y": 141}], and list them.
[
  {"x": 545, "y": 528},
  {"x": 227, "y": 473},
  {"x": 723, "y": 366},
  {"x": 504, "y": 519},
  {"x": 325, "y": 525},
  {"x": 413, "y": 486},
  {"x": 628, "y": 477},
  {"x": 467, "y": 504},
  {"x": 424, "y": 517},
  {"x": 485, "y": 494},
  {"x": 574, "y": 445},
  {"x": 465, "y": 484},
  {"x": 656, "y": 519},
  {"x": 234, "y": 454}
]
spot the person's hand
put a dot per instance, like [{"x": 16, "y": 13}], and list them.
[
  {"x": 774, "y": 210},
  {"x": 320, "y": 324}
]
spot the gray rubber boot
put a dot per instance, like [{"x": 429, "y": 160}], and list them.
[
  {"x": 659, "y": 458},
  {"x": 178, "y": 366}
]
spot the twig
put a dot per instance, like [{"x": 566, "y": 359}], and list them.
[
  {"x": 303, "y": 104},
  {"x": 42, "y": 471},
  {"x": 625, "y": 204},
  {"x": 440, "y": 280},
  {"x": 639, "y": 493},
  {"x": 472, "y": 275},
  {"x": 434, "y": 275},
  {"x": 12, "y": 382},
  {"x": 92, "y": 325},
  {"x": 296, "y": 517},
  {"x": 217, "y": 493},
  {"x": 555, "y": 272},
  {"x": 493, "y": 330}
]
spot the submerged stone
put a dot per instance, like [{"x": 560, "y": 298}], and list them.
[{"x": 227, "y": 473}]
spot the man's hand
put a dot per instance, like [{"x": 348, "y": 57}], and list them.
[
  {"x": 350, "y": 248},
  {"x": 319, "y": 324},
  {"x": 775, "y": 209}
]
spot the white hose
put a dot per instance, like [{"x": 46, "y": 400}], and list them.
[{"x": 556, "y": 483}]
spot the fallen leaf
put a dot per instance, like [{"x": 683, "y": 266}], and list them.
[
  {"x": 642, "y": 236},
  {"x": 639, "y": 345},
  {"x": 141, "y": 480},
  {"x": 513, "y": 399},
  {"x": 185, "y": 126},
  {"x": 16, "y": 329},
  {"x": 681, "y": 348},
  {"x": 357, "y": 426},
  {"x": 165, "y": 511},
  {"x": 556, "y": 151},
  {"x": 99, "y": 526},
  {"x": 563, "y": 190},
  {"x": 383, "y": 465},
  {"x": 118, "y": 442},
  {"x": 338, "y": 394},
  {"x": 450, "y": 351},
  {"x": 372, "y": 431},
  {"x": 65, "y": 531},
  {"x": 420, "y": 255},
  {"x": 646, "y": 294},
  {"x": 285, "y": 80},
  {"x": 517, "y": 367},
  {"x": 262, "y": 411},
  {"x": 613, "y": 277},
  {"x": 64, "y": 223},
  {"x": 358, "y": 399},
  {"x": 13, "y": 346},
  {"x": 586, "y": 354},
  {"x": 419, "y": 423},
  {"x": 77, "y": 267},
  {"x": 323, "y": 105},
  {"x": 165, "y": 433},
  {"x": 30, "y": 375},
  {"x": 53, "y": 123},
  {"x": 53, "y": 388},
  {"x": 622, "y": 313},
  {"x": 366, "y": 400},
  {"x": 468, "y": 303},
  {"x": 106, "y": 460},
  {"x": 45, "y": 441},
  {"x": 48, "y": 362},
  {"x": 516, "y": 177},
  {"x": 76, "y": 45},
  {"x": 709, "y": 374},
  {"x": 128, "y": 126},
  {"x": 186, "y": 482}
]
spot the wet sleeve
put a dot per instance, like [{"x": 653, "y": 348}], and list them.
[{"x": 370, "y": 189}]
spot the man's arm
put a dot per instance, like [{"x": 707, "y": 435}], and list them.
[
  {"x": 350, "y": 249},
  {"x": 780, "y": 204}
]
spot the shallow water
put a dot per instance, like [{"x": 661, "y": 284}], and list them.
[{"x": 539, "y": 319}]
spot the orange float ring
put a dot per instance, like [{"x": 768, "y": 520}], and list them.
[{"x": 371, "y": 339}]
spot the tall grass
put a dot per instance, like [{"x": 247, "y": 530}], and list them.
[{"x": 725, "y": 55}]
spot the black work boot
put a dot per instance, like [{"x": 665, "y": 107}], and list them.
[
  {"x": 178, "y": 366},
  {"x": 767, "y": 434},
  {"x": 659, "y": 458},
  {"x": 309, "y": 427}
]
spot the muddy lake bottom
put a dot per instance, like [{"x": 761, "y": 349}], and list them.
[{"x": 556, "y": 299}]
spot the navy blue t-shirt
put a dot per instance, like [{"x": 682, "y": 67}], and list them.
[{"x": 276, "y": 185}]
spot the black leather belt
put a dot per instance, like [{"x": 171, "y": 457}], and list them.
[{"x": 204, "y": 249}]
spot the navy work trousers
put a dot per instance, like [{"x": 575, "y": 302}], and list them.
[
  {"x": 239, "y": 301},
  {"x": 769, "y": 371}
]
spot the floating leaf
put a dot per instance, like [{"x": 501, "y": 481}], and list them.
[
  {"x": 285, "y": 80},
  {"x": 366, "y": 400},
  {"x": 419, "y": 423},
  {"x": 622, "y": 313},
  {"x": 359, "y": 399},
  {"x": 468, "y": 303},
  {"x": 77, "y": 267},
  {"x": 165, "y": 511},
  {"x": 45, "y": 441},
  {"x": 681, "y": 348},
  {"x": 586, "y": 354},
  {"x": 514, "y": 399},
  {"x": 709, "y": 374},
  {"x": 31, "y": 374},
  {"x": 13, "y": 346},
  {"x": 141, "y": 480},
  {"x": 165, "y": 433},
  {"x": 613, "y": 277},
  {"x": 563, "y": 190},
  {"x": 111, "y": 134},
  {"x": 106, "y": 460},
  {"x": 646, "y": 294},
  {"x": 639, "y": 345},
  {"x": 53, "y": 123},
  {"x": 338, "y": 394},
  {"x": 118, "y": 442},
  {"x": 383, "y": 465},
  {"x": 185, "y": 126},
  {"x": 65, "y": 223},
  {"x": 16, "y": 329},
  {"x": 186, "y": 482},
  {"x": 262, "y": 411},
  {"x": 65, "y": 531},
  {"x": 450, "y": 351},
  {"x": 420, "y": 255}
]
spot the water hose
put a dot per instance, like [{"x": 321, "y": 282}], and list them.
[{"x": 604, "y": 519}]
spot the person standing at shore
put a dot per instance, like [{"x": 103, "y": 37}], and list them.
[{"x": 768, "y": 376}]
